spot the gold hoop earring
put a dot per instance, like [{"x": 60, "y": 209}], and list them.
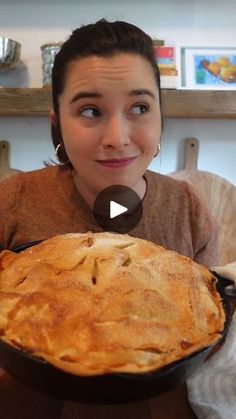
[
  {"x": 158, "y": 150},
  {"x": 61, "y": 155}
]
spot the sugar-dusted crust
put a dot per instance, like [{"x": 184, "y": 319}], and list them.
[{"x": 100, "y": 303}]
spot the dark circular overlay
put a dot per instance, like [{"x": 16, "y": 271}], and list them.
[{"x": 118, "y": 208}]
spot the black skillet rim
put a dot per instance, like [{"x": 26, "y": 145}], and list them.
[{"x": 171, "y": 375}]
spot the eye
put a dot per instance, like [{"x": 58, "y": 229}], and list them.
[
  {"x": 89, "y": 112},
  {"x": 139, "y": 109}
]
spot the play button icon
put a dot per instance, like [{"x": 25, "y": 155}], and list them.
[{"x": 118, "y": 208}]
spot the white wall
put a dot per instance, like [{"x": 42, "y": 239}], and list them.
[{"x": 179, "y": 22}]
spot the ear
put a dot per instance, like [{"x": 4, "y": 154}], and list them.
[
  {"x": 55, "y": 129},
  {"x": 53, "y": 117}
]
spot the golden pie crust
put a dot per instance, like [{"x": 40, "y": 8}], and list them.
[{"x": 98, "y": 303}]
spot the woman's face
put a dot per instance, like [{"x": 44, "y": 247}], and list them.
[{"x": 110, "y": 120}]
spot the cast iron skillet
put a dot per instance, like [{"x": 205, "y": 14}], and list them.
[{"x": 110, "y": 388}]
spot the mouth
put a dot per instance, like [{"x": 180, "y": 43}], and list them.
[{"x": 116, "y": 163}]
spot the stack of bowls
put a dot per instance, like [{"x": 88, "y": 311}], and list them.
[
  {"x": 49, "y": 52},
  {"x": 9, "y": 53}
]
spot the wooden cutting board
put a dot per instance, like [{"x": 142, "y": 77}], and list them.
[
  {"x": 5, "y": 170},
  {"x": 219, "y": 194}
]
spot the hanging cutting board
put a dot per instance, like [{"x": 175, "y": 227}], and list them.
[
  {"x": 219, "y": 194},
  {"x": 5, "y": 170}
]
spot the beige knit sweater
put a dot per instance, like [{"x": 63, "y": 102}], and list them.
[{"x": 39, "y": 204}]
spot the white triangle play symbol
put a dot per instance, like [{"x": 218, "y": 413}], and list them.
[{"x": 116, "y": 209}]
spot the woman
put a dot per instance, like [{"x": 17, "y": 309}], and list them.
[{"x": 106, "y": 128}]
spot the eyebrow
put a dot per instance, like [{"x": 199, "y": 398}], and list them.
[
  {"x": 86, "y": 94},
  {"x": 139, "y": 92},
  {"x": 83, "y": 95}
]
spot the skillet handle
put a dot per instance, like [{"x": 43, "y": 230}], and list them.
[
  {"x": 229, "y": 288},
  {"x": 230, "y": 291}
]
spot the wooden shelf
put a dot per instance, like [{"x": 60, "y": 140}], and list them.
[
  {"x": 25, "y": 102},
  {"x": 176, "y": 103}
]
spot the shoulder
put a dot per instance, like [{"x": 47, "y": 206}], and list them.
[
  {"x": 168, "y": 186},
  {"x": 155, "y": 178},
  {"x": 27, "y": 176},
  {"x": 178, "y": 196},
  {"x": 47, "y": 174},
  {"x": 33, "y": 183},
  {"x": 180, "y": 207}
]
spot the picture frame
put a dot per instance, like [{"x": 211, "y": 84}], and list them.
[{"x": 207, "y": 68}]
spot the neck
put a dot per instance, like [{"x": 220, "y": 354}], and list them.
[{"x": 89, "y": 194}]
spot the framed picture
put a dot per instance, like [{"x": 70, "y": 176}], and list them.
[{"x": 212, "y": 68}]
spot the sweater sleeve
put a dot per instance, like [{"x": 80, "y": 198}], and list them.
[
  {"x": 208, "y": 254},
  {"x": 8, "y": 203},
  {"x": 204, "y": 230}
]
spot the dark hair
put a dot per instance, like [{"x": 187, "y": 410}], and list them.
[{"x": 103, "y": 39}]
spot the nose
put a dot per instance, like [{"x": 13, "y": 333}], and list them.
[{"x": 116, "y": 133}]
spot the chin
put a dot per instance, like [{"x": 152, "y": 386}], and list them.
[{"x": 122, "y": 180}]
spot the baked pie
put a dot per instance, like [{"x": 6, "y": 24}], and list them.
[{"x": 98, "y": 303}]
